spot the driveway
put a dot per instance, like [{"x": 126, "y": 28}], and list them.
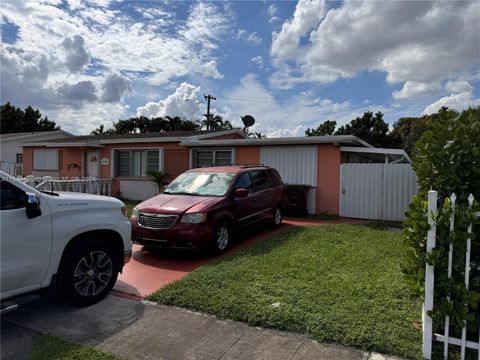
[{"x": 149, "y": 270}]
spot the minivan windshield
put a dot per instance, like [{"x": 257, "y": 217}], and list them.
[{"x": 200, "y": 184}]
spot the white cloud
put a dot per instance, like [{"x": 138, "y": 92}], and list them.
[
  {"x": 283, "y": 118},
  {"x": 258, "y": 60},
  {"x": 408, "y": 40},
  {"x": 457, "y": 102},
  {"x": 209, "y": 69},
  {"x": 254, "y": 38},
  {"x": 458, "y": 86},
  {"x": 85, "y": 55},
  {"x": 182, "y": 103},
  {"x": 272, "y": 12},
  {"x": 413, "y": 88},
  {"x": 307, "y": 16}
]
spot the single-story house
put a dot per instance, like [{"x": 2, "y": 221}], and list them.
[
  {"x": 125, "y": 158},
  {"x": 11, "y": 152}
]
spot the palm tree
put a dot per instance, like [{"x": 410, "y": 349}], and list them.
[
  {"x": 99, "y": 131},
  {"x": 216, "y": 123}
]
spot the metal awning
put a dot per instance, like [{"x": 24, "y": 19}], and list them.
[{"x": 379, "y": 154}]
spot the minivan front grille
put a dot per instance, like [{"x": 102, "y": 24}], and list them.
[{"x": 156, "y": 221}]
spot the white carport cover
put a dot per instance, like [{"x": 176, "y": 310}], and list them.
[{"x": 296, "y": 165}]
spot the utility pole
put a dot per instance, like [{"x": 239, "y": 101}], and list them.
[{"x": 208, "y": 98}]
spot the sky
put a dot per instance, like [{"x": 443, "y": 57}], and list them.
[{"x": 291, "y": 65}]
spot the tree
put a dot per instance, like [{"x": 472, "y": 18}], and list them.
[
  {"x": 407, "y": 131},
  {"x": 14, "y": 119},
  {"x": 370, "y": 128},
  {"x": 216, "y": 123},
  {"x": 327, "y": 128},
  {"x": 447, "y": 160}
]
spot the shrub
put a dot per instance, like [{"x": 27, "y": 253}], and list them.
[{"x": 448, "y": 161}]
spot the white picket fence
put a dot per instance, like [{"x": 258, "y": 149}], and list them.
[
  {"x": 428, "y": 335},
  {"x": 91, "y": 186}
]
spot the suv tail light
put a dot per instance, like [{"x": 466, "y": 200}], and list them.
[{"x": 124, "y": 210}]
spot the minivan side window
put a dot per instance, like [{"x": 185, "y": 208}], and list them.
[
  {"x": 260, "y": 180},
  {"x": 11, "y": 197},
  {"x": 244, "y": 181},
  {"x": 274, "y": 176}
]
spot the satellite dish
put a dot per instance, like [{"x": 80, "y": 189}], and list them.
[{"x": 248, "y": 120}]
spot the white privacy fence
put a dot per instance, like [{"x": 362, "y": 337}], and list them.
[
  {"x": 428, "y": 335},
  {"x": 376, "y": 191}
]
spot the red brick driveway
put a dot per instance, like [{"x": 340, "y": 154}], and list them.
[{"x": 149, "y": 270}]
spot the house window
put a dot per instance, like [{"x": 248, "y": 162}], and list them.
[
  {"x": 213, "y": 158},
  {"x": 137, "y": 162},
  {"x": 19, "y": 158},
  {"x": 45, "y": 159}
]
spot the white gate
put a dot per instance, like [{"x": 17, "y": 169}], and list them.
[{"x": 376, "y": 191}]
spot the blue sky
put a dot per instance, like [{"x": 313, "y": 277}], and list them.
[{"x": 292, "y": 65}]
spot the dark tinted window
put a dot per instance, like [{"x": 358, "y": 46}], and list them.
[
  {"x": 11, "y": 197},
  {"x": 245, "y": 182},
  {"x": 274, "y": 177},
  {"x": 260, "y": 180}
]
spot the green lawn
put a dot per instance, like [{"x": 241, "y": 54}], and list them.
[
  {"x": 51, "y": 348},
  {"x": 337, "y": 283}
]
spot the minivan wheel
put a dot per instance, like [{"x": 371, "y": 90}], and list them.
[
  {"x": 88, "y": 272},
  {"x": 277, "y": 217},
  {"x": 221, "y": 238}
]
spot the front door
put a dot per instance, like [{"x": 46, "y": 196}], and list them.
[{"x": 92, "y": 163}]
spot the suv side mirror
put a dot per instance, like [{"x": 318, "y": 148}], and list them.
[
  {"x": 240, "y": 193},
  {"x": 33, "y": 206}
]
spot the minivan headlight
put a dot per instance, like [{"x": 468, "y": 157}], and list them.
[
  {"x": 134, "y": 213},
  {"x": 194, "y": 218}
]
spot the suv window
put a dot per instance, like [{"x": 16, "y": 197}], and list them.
[
  {"x": 244, "y": 181},
  {"x": 274, "y": 176},
  {"x": 260, "y": 180},
  {"x": 11, "y": 197}
]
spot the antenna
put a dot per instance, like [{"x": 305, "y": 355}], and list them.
[{"x": 248, "y": 120}]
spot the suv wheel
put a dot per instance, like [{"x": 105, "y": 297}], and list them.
[
  {"x": 221, "y": 238},
  {"x": 89, "y": 271},
  {"x": 277, "y": 217}
]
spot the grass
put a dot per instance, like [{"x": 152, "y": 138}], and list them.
[
  {"x": 130, "y": 204},
  {"x": 48, "y": 347},
  {"x": 336, "y": 283}
]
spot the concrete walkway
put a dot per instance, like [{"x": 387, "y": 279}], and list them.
[{"x": 138, "y": 330}]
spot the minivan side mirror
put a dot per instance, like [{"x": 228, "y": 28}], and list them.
[
  {"x": 33, "y": 205},
  {"x": 240, "y": 193}
]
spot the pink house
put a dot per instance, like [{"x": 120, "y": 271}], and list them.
[{"x": 125, "y": 159}]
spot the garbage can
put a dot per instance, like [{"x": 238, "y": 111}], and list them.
[{"x": 296, "y": 200}]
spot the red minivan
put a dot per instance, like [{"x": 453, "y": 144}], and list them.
[{"x": 204, "y": 207}]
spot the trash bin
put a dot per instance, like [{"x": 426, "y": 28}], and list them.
[{"x": 296, "y": 200}]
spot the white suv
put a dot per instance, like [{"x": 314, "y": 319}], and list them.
[{"x": 69, "y": 241}]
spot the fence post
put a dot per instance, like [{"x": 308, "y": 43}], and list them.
[
  {"x": 429, "y": 278},
  {"x": 453, "y": 198}
]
